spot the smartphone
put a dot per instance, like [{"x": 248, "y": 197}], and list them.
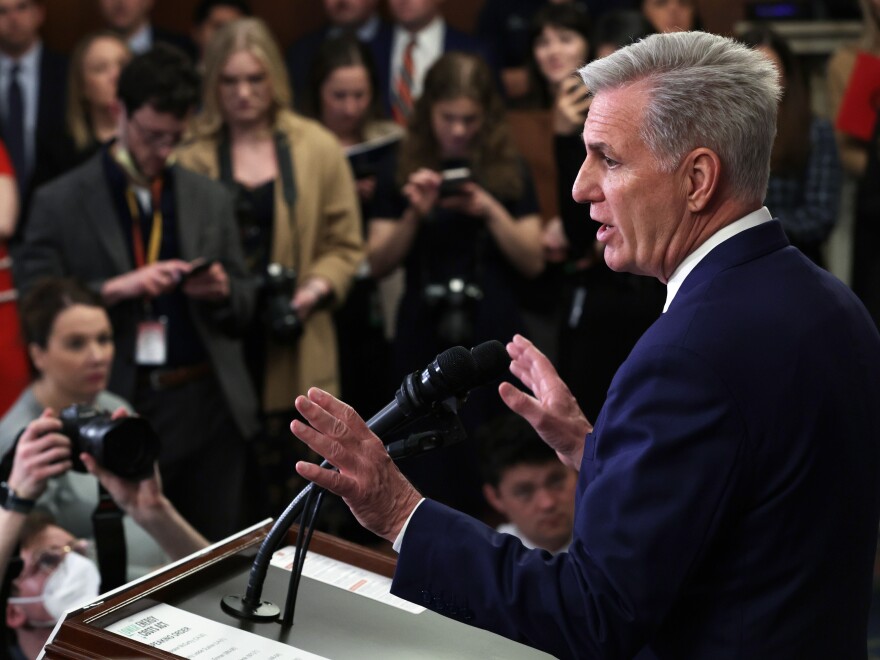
[
  {"x": 453, "y": 179},
  {"x": 199, "y": 266}
]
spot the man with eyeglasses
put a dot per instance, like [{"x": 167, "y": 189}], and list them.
[{"x": 161, "y": 246}]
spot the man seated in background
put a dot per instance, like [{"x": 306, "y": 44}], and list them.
[
  {"x": 525, "y": 482},
  {"x": 132, "y": 20}
]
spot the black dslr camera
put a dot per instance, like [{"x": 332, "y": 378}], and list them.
[
  {"x": 127, "y": 446},
  {"x": 279, "y": 283},
  {"x": 454, "y": 305}
]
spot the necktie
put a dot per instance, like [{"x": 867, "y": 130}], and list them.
[
  {"x": 13, "y": 134},
  {"x": 402, "y": 100}
]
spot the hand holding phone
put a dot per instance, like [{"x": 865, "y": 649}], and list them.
[{"x": 199, "y": 266}]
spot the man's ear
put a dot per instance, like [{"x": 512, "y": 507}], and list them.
[
  {"x": 703, "y": 178},
  {"x": 15, "y": 616},
  {"x": 492, "y": 497}
]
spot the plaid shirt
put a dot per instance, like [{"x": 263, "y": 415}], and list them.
[{"x": 807, "y": 205}]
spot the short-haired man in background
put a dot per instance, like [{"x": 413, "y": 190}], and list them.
[{"x": 526, "y": 483}]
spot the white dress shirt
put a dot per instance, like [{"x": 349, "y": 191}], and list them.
[{"x": 428, "y": 49}]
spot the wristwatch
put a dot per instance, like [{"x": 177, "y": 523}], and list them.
[{"x": 12, "y": 502}]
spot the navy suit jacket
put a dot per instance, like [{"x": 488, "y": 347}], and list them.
[{"x": 728, "y": 498}]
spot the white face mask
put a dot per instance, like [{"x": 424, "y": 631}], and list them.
[{"x": 74, "y": 582}]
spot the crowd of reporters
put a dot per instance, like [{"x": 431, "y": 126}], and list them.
[{"x": 372, "y": 207}]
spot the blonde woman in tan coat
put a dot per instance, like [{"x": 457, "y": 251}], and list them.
[{"x": 296, "y": 206}]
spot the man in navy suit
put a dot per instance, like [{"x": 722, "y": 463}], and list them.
[
  {"x": 131, "y": 19},
  {"x": 728, "y": 495},
  {"x": 33, "y": 88}
]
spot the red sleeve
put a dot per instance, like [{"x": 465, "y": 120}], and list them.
[{"x": 5, "y": 164}]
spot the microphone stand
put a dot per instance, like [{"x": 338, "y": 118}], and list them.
[{"x": 447, "y": 431}]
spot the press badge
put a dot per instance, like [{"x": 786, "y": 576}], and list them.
[{"x": 152, "y": 342}]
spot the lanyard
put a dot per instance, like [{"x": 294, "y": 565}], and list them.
[{"x": 152, "y": 255}]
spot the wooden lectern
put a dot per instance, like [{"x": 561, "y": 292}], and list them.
[{"x": 330, "y": 621}]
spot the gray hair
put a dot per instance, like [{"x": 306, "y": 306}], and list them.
[{"x": 705, "y": 91}]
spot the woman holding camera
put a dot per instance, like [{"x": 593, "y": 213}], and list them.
[
  {"x": 297, "y": 207},
  {"x": 70, "y": 343},
  {"x": 460, "y": 212}
]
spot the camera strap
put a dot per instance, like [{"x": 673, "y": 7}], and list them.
[
  {"x": 109, "y": 541},
  {"x": 286, "y": 171}
]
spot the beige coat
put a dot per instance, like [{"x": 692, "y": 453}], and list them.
[{"x": 319, "y": 236}]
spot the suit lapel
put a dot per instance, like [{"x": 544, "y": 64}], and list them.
[
  {"x": 745, "y": 246},
  {"x": 100, "y": 212},
  {"x": 186, "y": 205}
]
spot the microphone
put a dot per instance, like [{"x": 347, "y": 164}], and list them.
[
  {"x": 492, "y": 361},
  {"x": 453, "y": 372}
]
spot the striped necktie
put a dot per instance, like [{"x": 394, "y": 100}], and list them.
[{"x": 402, "y": 100}]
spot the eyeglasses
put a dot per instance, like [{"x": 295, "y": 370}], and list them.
[
  {"x": 48, "y": 559},
  {"x": 156, "y": 139}
]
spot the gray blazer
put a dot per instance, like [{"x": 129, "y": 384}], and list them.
[{"x": 72, "y": 230}]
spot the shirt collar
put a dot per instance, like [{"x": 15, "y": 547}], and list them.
[
  {"x": 367, "y": 31},
  {"x": 29, "y": 62},
  {"x": 690, "y": 262},
  {"x": 433, "y": 31},
  {"x": 142, "y": 40}
]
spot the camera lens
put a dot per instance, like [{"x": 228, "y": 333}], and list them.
[{"x": 127, "y": 447}]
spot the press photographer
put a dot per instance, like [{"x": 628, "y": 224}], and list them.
[
  {"x": 70, "y": 343},
  {"x": 458, "y": 210}
]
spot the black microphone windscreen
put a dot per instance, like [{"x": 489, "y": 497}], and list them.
[
  {"x": 457, "y": 368},
  {"x": 492, "y": 361}
]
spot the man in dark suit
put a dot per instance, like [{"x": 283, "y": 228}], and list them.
[
  {"x": 420, "y": 37},
  {"x": 360, "y": 17},
  {"x": 729, "y": 493},
  {"x": 135, "y": 228},
  {"x": 131, "y": 19},
  {"x": 33, "y": 84}
]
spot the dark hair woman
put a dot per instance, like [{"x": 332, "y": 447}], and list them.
[
  {"x": 70, "y": 343},
  {"x": 459, "y": 212}
]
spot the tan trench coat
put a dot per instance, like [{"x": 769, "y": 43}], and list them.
[{"x": 319, "y": 236}]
